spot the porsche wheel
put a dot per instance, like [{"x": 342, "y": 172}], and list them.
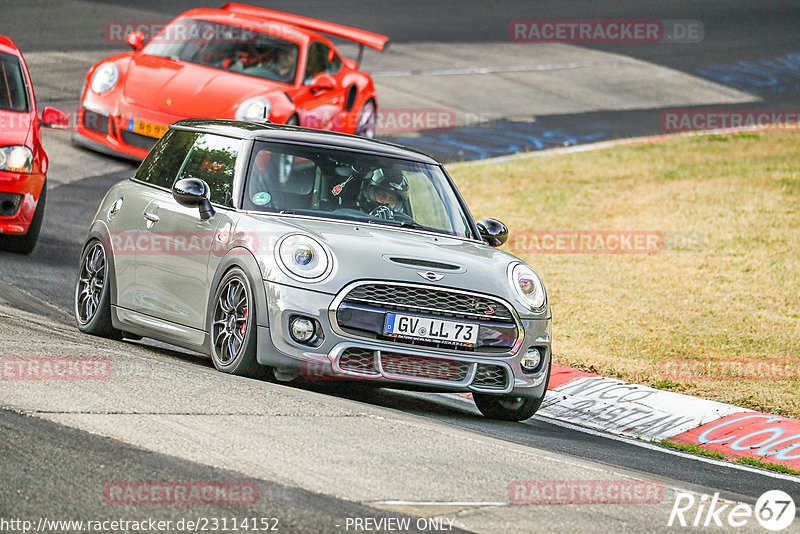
[
  {"x": 233, "y": 332},
  {"x": 367, "y": 117},
  {"x": 92, "y": 293}
]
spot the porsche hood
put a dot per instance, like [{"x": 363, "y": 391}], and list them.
[{"x": 189, "y": 90}]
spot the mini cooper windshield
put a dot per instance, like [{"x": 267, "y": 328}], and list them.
[
  {"x": 353, "y": 186},
  {"x": 228, "y": 48}
]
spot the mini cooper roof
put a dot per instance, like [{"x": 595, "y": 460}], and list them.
[{"x": 304, "y": 136}]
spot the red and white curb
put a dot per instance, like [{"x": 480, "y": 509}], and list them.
[{"x": 609, "y": 405}]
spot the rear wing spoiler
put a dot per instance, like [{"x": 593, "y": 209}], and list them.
[{"x": 362, "y": 37}]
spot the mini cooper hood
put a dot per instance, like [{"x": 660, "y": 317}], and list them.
[
  {"x": 371, "y": 251},
  {"x": 185, "y": 89}
]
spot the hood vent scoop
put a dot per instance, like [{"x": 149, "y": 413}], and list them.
[{"x": 412, "y": 262}]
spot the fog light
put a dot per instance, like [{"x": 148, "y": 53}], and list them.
[
  {"x": 531, "y": 360},
  {"x": 302, "y": 329}
]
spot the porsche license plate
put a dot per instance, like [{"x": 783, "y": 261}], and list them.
[
  {"x": 416, "y": 327},
  {"x": 149, "y": 129}
]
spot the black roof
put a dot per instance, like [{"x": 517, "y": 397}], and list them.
[{"x": 305, "y": 136}]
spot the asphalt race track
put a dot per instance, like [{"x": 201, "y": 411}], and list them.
[{"x": 322, "y": 455}]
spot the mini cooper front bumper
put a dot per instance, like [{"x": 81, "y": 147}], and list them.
[{"x": 349, "y": 341}]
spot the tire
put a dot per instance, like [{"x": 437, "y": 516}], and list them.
[
  {"x": 24, "y": 244},
  {"x": 232, "y": 331},
  {"x": 93, "y": 293},
  {"x": 365, "y": 127},
  {"x": 507, "y": 407}
]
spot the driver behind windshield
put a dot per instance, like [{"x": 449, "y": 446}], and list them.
[{"x": 385, "y": 194}]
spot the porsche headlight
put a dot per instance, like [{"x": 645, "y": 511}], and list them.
[
  {"x": 304, "y": 257},
  {"x": 527, "y": 285},
  {"x": 16, "y": 159},
  {"x": 105, "y": 77},
  {"x": 254, "y": 109}
]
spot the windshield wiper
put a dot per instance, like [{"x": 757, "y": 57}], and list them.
[{"x": 400, "y": 224}]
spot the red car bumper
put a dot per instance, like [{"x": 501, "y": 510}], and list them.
[
  {"x": 112, "y": 134},
  {"x": 19, "y": 196}
]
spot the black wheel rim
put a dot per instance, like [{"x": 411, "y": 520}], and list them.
[
  {"x": 230, "y": 321},
  {"x": 366, "y": 121},
  {"x": 90, "y": 284}
]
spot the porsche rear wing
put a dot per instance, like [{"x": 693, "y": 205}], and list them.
[{"x": 362, "y": 37}]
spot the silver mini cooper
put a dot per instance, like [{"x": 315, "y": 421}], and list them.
[{"x": 302, "y": 253}]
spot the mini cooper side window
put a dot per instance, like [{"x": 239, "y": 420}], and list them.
[
  {"x": 213, "y": 160},
  {"x": 162, "y": 164}
]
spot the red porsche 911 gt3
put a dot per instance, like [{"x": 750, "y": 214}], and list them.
[
  {"x": 23, "y": 162},
  {"x": 236, "y": 62}
]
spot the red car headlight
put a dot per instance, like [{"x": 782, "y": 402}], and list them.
[{"x": 16, "y": 159}]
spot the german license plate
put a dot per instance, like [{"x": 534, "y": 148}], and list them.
[
  {"x": 149, "y": 129},
  {"x": 440, "y": 331}
]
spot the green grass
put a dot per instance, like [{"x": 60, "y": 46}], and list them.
[
  {"x": 694, "y": 449},
  {"x": 772, "y": 467},
  {"x": 724, "y": 289}
]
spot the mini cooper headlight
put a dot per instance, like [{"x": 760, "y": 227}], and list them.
[
  {"x": 527, "y": 285},
  {"x": 105, "y": 77},
  {"x": 16, "y": 159},
  {"x": 254, "y": 109},
  {"x": 304, "y": 257}
]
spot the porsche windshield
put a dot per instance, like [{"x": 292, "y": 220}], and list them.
[
  {"x": 228, "y": 48},
  {"x": 353, "y": 186}
]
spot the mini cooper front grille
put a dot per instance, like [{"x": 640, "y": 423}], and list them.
[
  {"x": 427, "y": 300},
  {"x": 358, "y": 360},
  {"x": 9, "y": 204},
  {"x": 138, "y": 140},
  {"x": 490, "y": 376},
  {"x": 96, "y": 122},
  {"x": 423, "y": 367}
]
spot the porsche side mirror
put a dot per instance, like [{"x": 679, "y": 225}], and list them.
[
  {"x": 135, "y": 40},
  {"x": 323, "y": 82},
  {"x": 194, "y": 193},
  {"x": 493, "y": 231},
  {"x": 54, "y": 118}
]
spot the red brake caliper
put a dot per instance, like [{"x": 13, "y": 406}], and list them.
[{"x": 244, "y": 326}]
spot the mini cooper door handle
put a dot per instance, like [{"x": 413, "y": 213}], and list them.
[{"x": 152, "y": 217}]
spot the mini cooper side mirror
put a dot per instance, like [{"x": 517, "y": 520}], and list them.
[
  {"x": 194, "y": 193},
  {"x": 493, "y": 231},
  {"x": 135, "y": 40}
]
